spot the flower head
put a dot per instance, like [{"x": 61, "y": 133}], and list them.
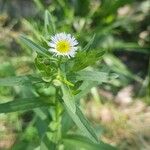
[{"x": 63, "y": 44}]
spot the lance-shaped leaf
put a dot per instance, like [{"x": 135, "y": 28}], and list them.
[
  {"x": 35, "y": 47},
  {"x": 77, "y": 142},
  {"x": 84, "y": 59},
  {"x": 24, "y": 104},
  {"x": 68, "y": 98},
  {"x": 20, "y": 80},
  {"x": 91, "y": 79},
  {"x": 93, "y": 76},
  {"x": 82, "y": 123},
  {"x": 77, "y": 115}
]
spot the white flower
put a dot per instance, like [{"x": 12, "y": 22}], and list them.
[{"x": 63, "y": 44}]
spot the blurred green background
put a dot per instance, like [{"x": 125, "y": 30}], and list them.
[{"x": 121, "y": 27}]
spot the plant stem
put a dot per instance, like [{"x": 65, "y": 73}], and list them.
[{"x": 58, "y": 119}]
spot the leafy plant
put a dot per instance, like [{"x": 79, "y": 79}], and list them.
[{"x": 55, "y": 90}]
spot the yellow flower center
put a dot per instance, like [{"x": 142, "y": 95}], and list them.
[{"x": 63, "y": 46}]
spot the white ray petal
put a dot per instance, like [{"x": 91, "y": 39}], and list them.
[
  {"x": 63, "y": 37},
  {"x": 52, "y": 44}
]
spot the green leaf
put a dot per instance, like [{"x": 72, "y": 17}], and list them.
[
  {"x": 47, "y": 67},
  {"x": 85, "y": 88},
  {"x": 87, "y": 126},
  {"x": 20, "y": 80},
  {"x": 42, "y": 121},
  {"x": 35, "y": 47},
  {"x": 77, "y": 115},
  {"x": 67, "y": 123},
  {"x": 68, "y": 98},
  {"x": 89, "y": 43},
  {"x": 79, "y": 118},
  {"x": 78, "y": 142},
  {"x": 82, "y": 124},
  {"x": 49, "y": 24},
  {"x": 23, "y": 104},
  {"x": 93, "y": 76},
  {"x": 84, "y": 59},
  {"x": 91, "y": 79}
]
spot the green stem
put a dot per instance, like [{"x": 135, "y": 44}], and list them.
[
  {"x": 56, "y": 106},
  {"x": 58, "y": 116}
]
